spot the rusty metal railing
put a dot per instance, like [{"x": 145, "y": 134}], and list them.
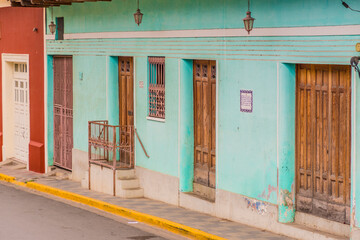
[{"x": 110, "y": 146}]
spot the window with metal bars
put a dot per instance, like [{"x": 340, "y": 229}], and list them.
[{"x": 157, "y": 87}]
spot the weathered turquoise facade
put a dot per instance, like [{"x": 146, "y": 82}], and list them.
[{"x": 255, "y": 151}]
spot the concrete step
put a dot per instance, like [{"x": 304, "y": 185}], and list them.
[
  {"x": 59, "y": 173},
  {"x": 125, "y": 174},
  {"x": 302, "y": 232},
  {"x": 127, "y": 183},
  {"x": 130, "y": 193},
  {"x": 322, "y": 224}
]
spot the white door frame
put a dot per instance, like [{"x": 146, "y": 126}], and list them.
[{"x": 7, "y": 61}]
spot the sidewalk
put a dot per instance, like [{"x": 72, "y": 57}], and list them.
[{"x": 209, "y": 224}]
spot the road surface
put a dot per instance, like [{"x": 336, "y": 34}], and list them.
[{"x": 28, "y": 216}]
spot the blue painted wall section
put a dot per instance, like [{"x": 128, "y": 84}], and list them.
[
  {"x": 355, "y": 156},
  {"x": 89, "y": 98},
  {"x": 160, "y": 139},
  {"x": 186, "y": 126},
  {"x": 113, "y": 90},
  {"x": 50, "y": 110},
  {"x": 286, "y": 142},
  {"x": 207, "y": 14}
]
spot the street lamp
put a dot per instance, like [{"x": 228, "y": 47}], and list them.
[
  {"x": 248, "y": 21},
  {"x": 138, "y": 15}
]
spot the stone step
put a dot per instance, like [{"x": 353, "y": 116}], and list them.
[
  {"x": 127, "y": 183},
  {"x": 130, "y": 193},
  {"x": 322, "y": 224},
  {"x": 305, "y": 233},
  {"x": 125, "y": 174}
]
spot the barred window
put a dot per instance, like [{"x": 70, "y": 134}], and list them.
[{"x": 157, "y": 87}]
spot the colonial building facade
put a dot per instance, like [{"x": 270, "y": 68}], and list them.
[{"x": 258, "y": 128}]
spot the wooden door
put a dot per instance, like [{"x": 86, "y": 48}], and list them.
[
  {"x": 323, "y": 142},
  {"x": 21, "y": 112},
  {"x": 204, "y": 122},
  {"x": 63, "y": 112},
  {"x": 126, "y": 111}
]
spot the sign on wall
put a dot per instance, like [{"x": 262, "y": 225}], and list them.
[
  {"x": 141, "y": 84},
  {"x": 246, "y": 101}
]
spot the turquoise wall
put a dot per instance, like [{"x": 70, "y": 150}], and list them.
[
  {"x": 160, "y": 139},
  {"x": 249, "y": 144},
  {"x": 89, "y": 96},
  {"x": 50, "y": 110},
  {"x": 209, "y": 14}
]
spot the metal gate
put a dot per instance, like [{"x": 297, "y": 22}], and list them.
[
  {"x": 21, "y": 113},
  {"x": 63, "y": 112},
  {"x": 323, "y": 142},
  {"x": 204, "y": 122}
]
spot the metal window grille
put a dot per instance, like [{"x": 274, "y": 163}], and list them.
[{"x": 157, "y": 87}]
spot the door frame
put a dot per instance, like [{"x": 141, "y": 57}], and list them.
[
  {"x": 286, "y": 93},
  {"x": 52, "y": 106},
  {"x": 7, "y": 61},
  {"x": 186, "y": 138},
  {"x": 134, "y": 98}
]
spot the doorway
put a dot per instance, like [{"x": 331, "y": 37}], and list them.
[
  {"x": 204, "y": 128},
  {"x": 63, "y": 111},
  {"x": 126, "y": 111},
  {"x": 16, "y": 107},
  {"x": 323, "y": 141}
]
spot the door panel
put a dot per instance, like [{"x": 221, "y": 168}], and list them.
[
  {"x": 21, "y": 112},
  {"x": 204, "y": 122},
  {"x": 126, "y": 111},
  {"x": 63, "y": 112},
  {"x": 323, "y": 117}
]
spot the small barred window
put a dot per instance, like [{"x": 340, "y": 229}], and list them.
[{"x": 157, "y": 87}]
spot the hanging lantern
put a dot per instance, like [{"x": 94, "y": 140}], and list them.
[
  {"x": 138, "y": 15},
  {"x": 52, "y": 27},
  {"x": 248, "y": 21}
]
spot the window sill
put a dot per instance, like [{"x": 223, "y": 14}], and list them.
[{"x": 155, "y": 119}]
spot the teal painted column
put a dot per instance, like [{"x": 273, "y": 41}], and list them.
[
  {"x": 186, "y": 126},
  {"x": 355, "y": 156},
  {"x": 50, "y": 109},
  {"x": 113, "y": 90},
  {"x": 286, "y": 142}
]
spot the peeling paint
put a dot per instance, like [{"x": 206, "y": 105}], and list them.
[
  {"x": 270, "y": 190},
  {"x": 258, "y": 206},
  {"x": 353, "y": 214},
  {"x": 286, "y": 198},
  {"x": 287, "y": 205}
]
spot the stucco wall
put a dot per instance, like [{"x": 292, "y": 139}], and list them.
[
  {"x": 251, "y": 146},
  {"x": 17, "y": 36}
]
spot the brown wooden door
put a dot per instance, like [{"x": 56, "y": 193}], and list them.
[
  {"x": 126, "y": 111},
  {"x": 323, "y": 142},
  {"x": 204, "y": 122},
  {"x": 63, "y": 112}
]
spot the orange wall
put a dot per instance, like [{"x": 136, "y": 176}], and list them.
[{"x": 18, "y": 36}]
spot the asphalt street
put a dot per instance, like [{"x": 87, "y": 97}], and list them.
[{"x": 28, "y": 216}]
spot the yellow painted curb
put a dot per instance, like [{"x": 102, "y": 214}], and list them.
[
  {"x": 6, "y": 178},
  {"x": 111, "y": 208}
]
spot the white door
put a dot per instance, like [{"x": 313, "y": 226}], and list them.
[{"x": 21, "y": 114}]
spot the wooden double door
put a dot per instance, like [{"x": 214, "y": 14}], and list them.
[
  {"x": 126, "y": 110},
  {"x": 323, "y": 141},
  {"x": 63, "y": 112},
  {"x": 204, "y": 122}
]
